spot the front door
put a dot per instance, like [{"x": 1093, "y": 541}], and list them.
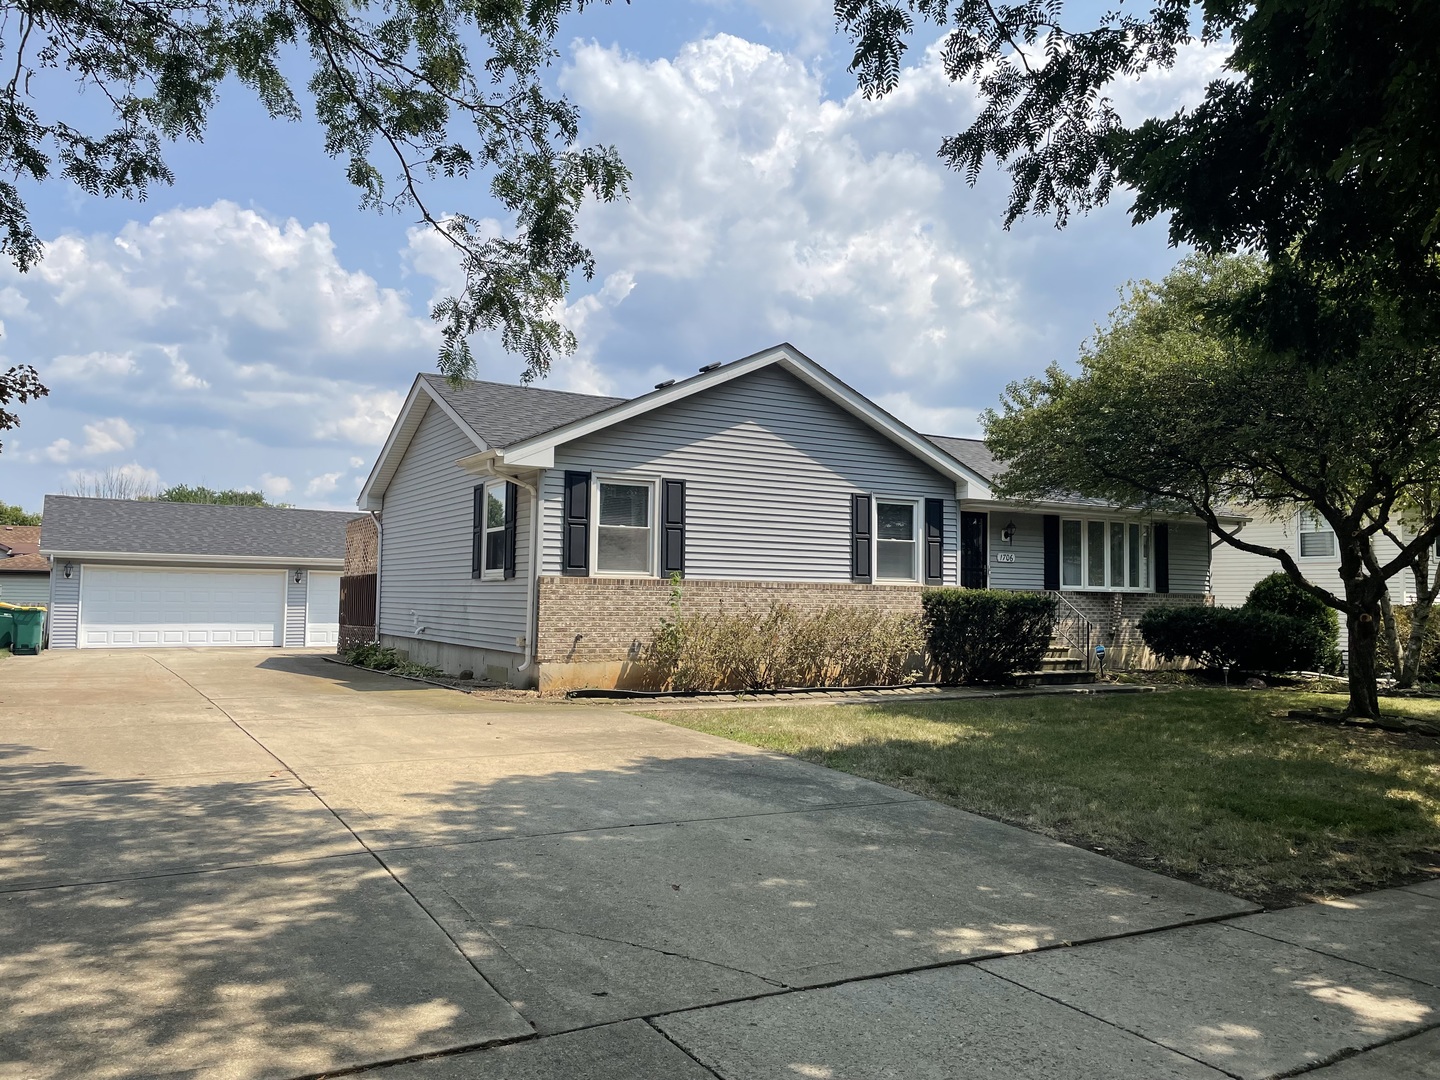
[{"x": 974, "y": 550}]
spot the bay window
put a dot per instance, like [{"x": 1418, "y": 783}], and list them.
[{"x": 1099, "y": 554}]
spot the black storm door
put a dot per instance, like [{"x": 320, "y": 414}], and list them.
[{"x": 974, "y": 550}]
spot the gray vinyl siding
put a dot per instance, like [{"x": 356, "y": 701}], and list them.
[
  {"x": 25, "y": 588},
  {"x": 426, "y": 590},
  {"x": 295, "y": 609},
  {"x": 1189, "y": 558},
  {"x": 769, "y": 465},
  {"x": 65, "y": 609},
  {"x": 1027, "y": 572}
]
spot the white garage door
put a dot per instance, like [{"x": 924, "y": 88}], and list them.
[
  {"x": 150, "y": 608},
  {"x": 322, "y": 609}
]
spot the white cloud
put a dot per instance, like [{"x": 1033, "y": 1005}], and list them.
[
  {"x": 275, "y": 487},
  {"x": 366, "y": 419},
  {"x": 136, "y": 479},
  {"x": 323, "y": 484},
  {"x": 102, "y": 437},
  {"x": 958, "y": 421},
  {"x": 356, "y": 462},
  {"x": 93, "y": 365}
]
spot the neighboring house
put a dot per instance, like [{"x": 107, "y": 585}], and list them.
[
  {"x": 129, "y": 574},
  {"x": 1311, "y": 541},
  {"x": 528, "y": 534},
  {"x": 24, "y": 572}
]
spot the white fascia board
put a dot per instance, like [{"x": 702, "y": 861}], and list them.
[
  {"x": 1081, "y": 510},
  {"x": 372, "y": 494},
  {"x": 196, "y": 560},
  {"x": 539, "y": 452}
]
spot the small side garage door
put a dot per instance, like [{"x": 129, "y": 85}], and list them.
[
  {"x": 322, "y": 609},
  {"x": 175, "y": 607}
]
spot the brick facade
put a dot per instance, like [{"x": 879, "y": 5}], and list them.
[
  {"x": 1115, "y": 616},
  {"x": 590, "y": 620}
]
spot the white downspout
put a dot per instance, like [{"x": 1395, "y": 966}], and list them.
[
  {"x": 379, "y": 551},
  {"x": 531, "y": 612}
]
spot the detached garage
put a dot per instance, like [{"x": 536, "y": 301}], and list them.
[{"x": 148, "y": 575}]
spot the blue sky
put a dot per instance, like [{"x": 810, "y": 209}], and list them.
[{"x": 251, "y": 327}]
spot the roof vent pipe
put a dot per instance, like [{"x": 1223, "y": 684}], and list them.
[
  {"x": 709, "y": 367},
  {"x": 662, "y": 385}
]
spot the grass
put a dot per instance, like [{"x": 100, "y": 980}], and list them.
[{"x": 1207, "y": 785}]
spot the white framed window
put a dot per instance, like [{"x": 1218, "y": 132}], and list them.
[
  {"x": 1097, "y": 553},
  {"x": 1317, "y": 539},
  {"x": 897, "y": 539},
  {"x": 494, "y": 511},
  {"x": 624, "y": 516}
]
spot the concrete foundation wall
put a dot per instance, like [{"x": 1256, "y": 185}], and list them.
[{"x": 500, "y": 667}]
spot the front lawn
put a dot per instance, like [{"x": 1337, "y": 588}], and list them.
[{"x": 1207, "y": 785}]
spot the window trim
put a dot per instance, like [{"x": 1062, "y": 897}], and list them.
[
  {"x": 498, "y": 573},
  {"x": 1147, "y": 565},
  {"x": 917, "y": 528},
  {"x": 632, "y": 480},
  {"x": 1324, "y": 529}
]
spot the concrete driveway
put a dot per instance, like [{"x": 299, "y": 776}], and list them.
[{"x": 236, "y": 863}]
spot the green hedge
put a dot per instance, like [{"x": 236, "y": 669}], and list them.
[
  {"x": 1280, "y": 595},
  {"x": 1248, "y": 639},
  {"x": 986, "y": 635}
]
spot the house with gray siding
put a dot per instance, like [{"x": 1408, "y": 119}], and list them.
[
  {"x": 24, "y": 572},
  {"x": 531, "y": 535}
]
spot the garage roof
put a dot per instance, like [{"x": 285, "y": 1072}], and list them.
[{"x": 96, "y": 527}]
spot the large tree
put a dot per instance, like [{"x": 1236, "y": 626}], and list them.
[
  {"x": 406, "y": 91},
  {"x": 1176, "y": 407},
  {"x": 1323, "y": 131}
]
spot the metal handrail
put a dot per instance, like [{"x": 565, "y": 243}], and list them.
[{"x": 1073, "y": 628}]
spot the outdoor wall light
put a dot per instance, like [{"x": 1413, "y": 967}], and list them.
[
  {"x": 298, "y": 575},
  {"x": 1008, "y": 533},
  {"x": 69, "y": 569}
]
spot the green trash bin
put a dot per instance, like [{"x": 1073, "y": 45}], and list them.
[
  {"x": 29, "y": 630},
  {"x": 7, "y": 626}
]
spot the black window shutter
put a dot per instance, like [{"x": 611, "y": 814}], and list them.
[
  {"x": 860, "y": 546},
  {"x": 512, "y": 493},
  {"x": 575, "y": 555},
  {"x": 934, "y": 541},
  {"x": 1050, "y": 529},
  {"x": 1162, "y": 558},
  {"x": 477, "y": 532},
  {"x": 672, "y": 517}
]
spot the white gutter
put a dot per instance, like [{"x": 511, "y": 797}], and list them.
[
  {"x": 379, "y": 554},
  {"x": 277, "y": 561}
]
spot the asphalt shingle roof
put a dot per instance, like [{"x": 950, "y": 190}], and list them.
[
  {"x": 972, "y": 453},
  {"x": 124, "y": 526},
  {"x": 503, "y": 415},
  {"x": 23, "y": 544}
]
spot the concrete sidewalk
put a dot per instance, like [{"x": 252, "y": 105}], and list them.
[{"x": 232, "y": 863}]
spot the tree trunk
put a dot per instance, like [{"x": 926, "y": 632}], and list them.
[
  {"x": 1364, "y": 635},
  {"x": 1392, "y": 636},
  {"x": 1407, "y": 666}
]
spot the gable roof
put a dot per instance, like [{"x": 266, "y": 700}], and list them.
[
  {"x": 502, "y": 414},
  {"x": 78, "y": 526},
  {"x": 971, "y": 452},
  {"x": 22, "y": 542},
  {"x": 507, "y": 446}
]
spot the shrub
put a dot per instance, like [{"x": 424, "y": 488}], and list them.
[
  {"x": 377, "y": 657},
  {"x": 1429, "y": 651},
  {"x": 780, "y": 647},
  {"x": 1280, "y": 595},
  {"x": 1250, "y": 639},
  {"x": 986, "y": 635}
]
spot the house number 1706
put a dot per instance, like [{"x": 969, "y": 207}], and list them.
[{"x": 1004, "y": 556}]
